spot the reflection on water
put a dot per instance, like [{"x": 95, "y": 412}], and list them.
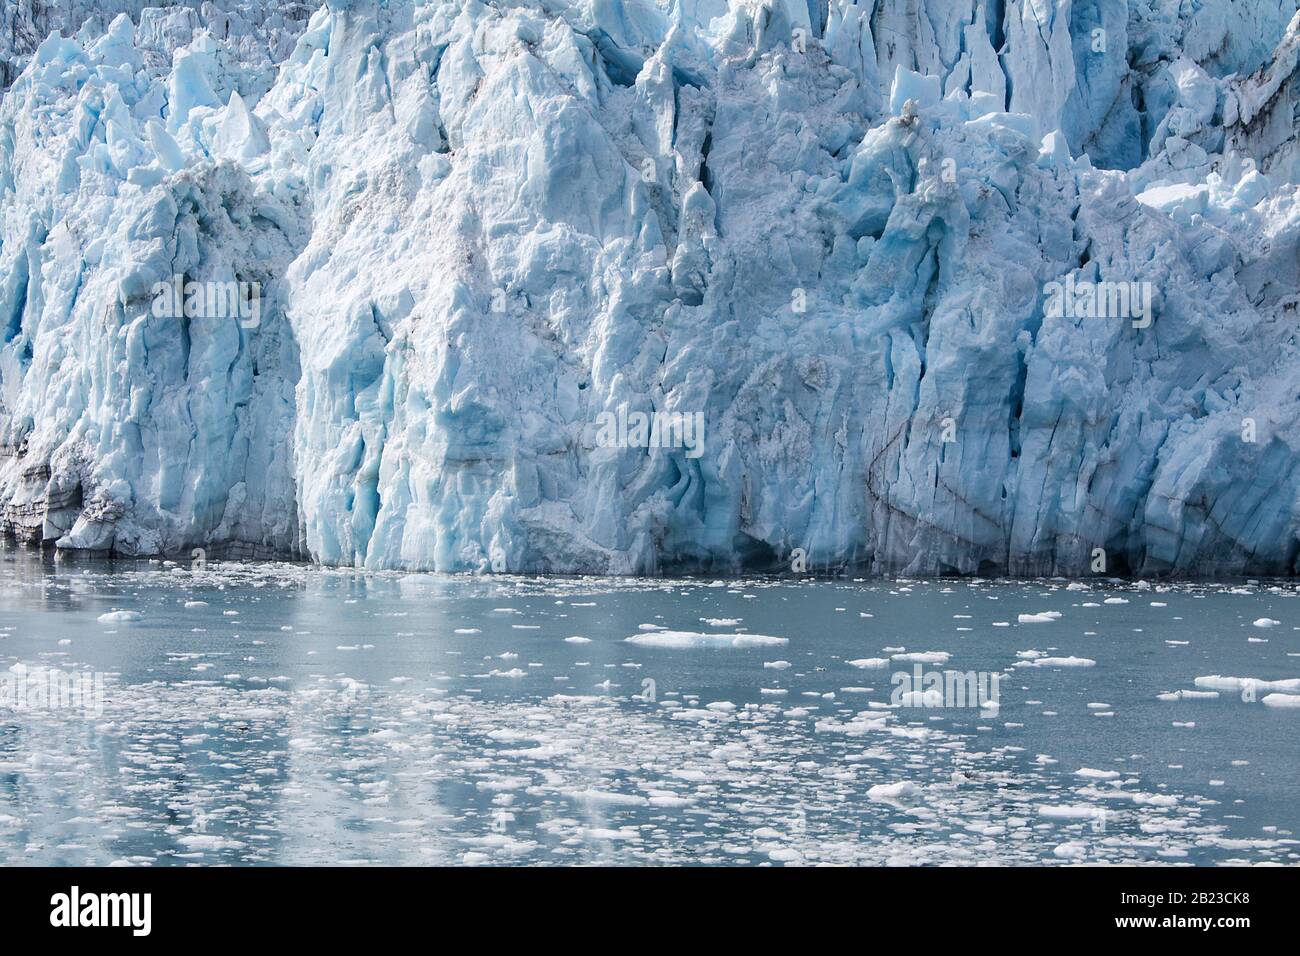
[{"x": 286, "y": 714}]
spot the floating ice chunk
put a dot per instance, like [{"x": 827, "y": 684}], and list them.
[
  {"x": 921, "y": 698},
  {"x": 1043, "y": 617},
  {"x": 1070, "y": 851},
  {"x": 893, "y": 791},
  {"x": 120, "y": 617},
  {"x": 1252, "y": 684},
  {"x": 1058, "y": 662},
  {"x": 668, "y": 801},
  {"x": 608, "y": 798},
  {"x": 776, "y": 665},
  {"x": 923, "y": 657},
  {"x": 1266, "y": 622},
  {"x": 1091, "y": 774},
  {"x": 208, "y": 842},
  {"x": 1078, "y": 811},
  {"x": 577, "y": 639},
  {"x": 693, "y": 713},
  {"x": 689, "y": 639},
  {"x": 869, "y": 663},
  {"x": 1155, "y": 799},
  {"x": 1189, "y": 695},
  {"x": 1282, "y": 700}
]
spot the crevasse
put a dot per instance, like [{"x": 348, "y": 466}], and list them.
[{"x": 831, "y": 229}]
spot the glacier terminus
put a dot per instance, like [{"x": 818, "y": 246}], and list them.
[{"x": 642, "y": 286}]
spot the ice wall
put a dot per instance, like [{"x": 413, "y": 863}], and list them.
[
  {"x": 256, "y": 34},
  {"x": 121, "y": 430},
  {"x": 830, "y": 231}
]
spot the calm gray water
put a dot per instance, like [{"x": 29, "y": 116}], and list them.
[{"x": 267, "y": 713}]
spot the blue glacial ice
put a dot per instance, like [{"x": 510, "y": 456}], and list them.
[{"x": 831, "y": 229}]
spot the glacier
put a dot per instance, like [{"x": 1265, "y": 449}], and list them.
[{"x": 828, "y": 228}]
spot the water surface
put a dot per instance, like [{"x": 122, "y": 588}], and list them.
[{"x": 270, "y": 713}]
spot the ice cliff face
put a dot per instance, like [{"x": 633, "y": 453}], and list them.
[
  {"x": 950, "y": 285},
  {"x": 254, "y": 34}
]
